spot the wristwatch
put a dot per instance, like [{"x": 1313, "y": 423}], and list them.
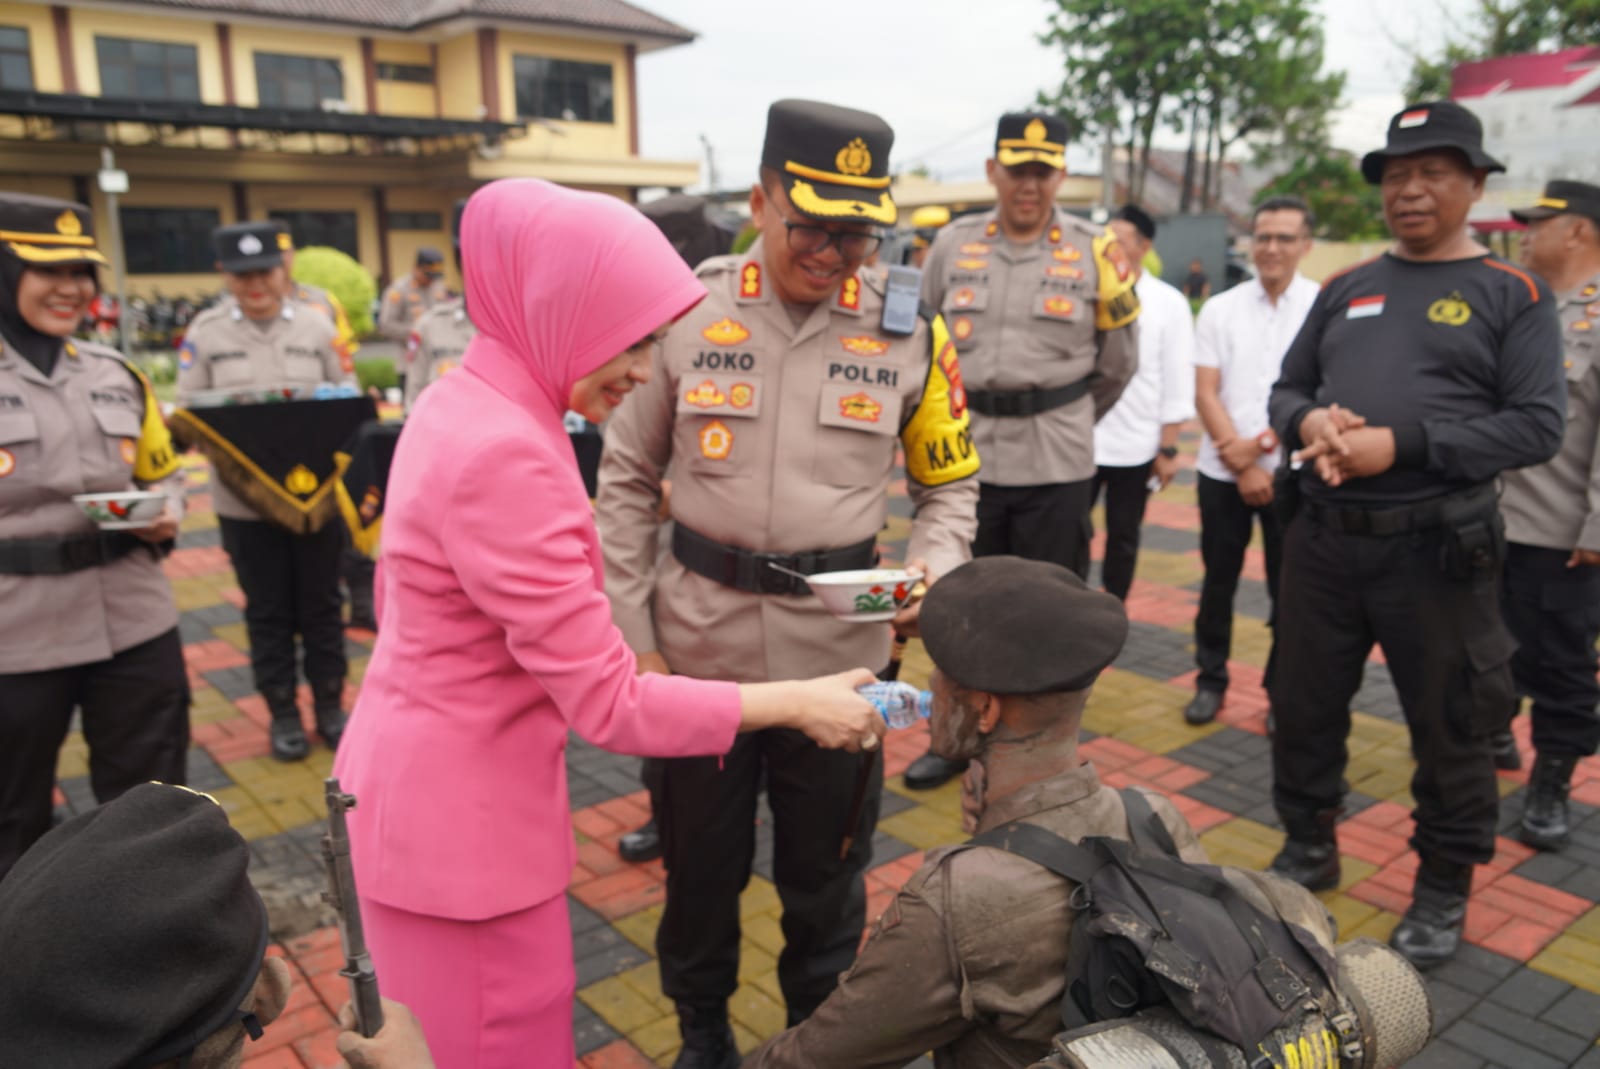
[
  {"x": 1169, "y": 451},
  {"x": 1266, "y": 441}
]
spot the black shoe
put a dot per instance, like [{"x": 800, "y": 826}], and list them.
[
  {"x": 707, "y": 1038},
  {"x": 1202, "y": 708},
  {"x": 1546, "y": 823},
  {"x": 1430, "y": 932},
  {"x": 641, "y": 845},
  {"x": 328, "y": 706},
  {"x": 1504, "y": 747},
  {"x": 1310, "y": 855},
  {"x": 930, "y": 771},
  {"x": 288, "y": 736}
]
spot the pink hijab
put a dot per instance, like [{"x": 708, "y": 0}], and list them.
[{"x": 561, "y": 281}]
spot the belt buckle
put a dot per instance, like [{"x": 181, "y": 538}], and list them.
[{"x": 768, "y": 579}]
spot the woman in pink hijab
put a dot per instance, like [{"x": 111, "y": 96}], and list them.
[{"x": 496, "y": 636}]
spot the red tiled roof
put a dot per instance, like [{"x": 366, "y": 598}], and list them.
[
  {"x": 617, "y": 16},
  {"x": 1534, "y": 70}
]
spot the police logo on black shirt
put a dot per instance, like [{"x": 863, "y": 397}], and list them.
[{"x": 1452, "y": 311}]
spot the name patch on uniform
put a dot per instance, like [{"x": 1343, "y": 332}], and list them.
[
  {"x": 713, "y": 361},
  {"x": 8, "y": 463},
  {"x": 1365, "y": 307},
  {"x": 862, "y": 345},
  {"x": 12, "y": 401},
  {"x": 726, "y": 331},
  {"x": 716, "y": 440},
  {"x": 867, "y": 376},
  {"x": 860, "y": 406},
  {"x": 705, "y": 395}
]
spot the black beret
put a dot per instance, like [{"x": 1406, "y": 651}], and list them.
[
  {"x": 1140, "y": 219},
  {"x": 128, "y": 934},
  {"x": 1005, "y": 625}
]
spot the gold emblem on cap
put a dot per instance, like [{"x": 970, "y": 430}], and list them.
[
  {"x": 854, "y": 159},
  {"x": 68, "y": 225},
  {"x": 1035, "y": 130},
  {"x": 300, "y": 481}
]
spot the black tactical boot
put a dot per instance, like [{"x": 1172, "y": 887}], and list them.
[
  {"x": 288, "y": 737},
  {"x": 1430, "y": 932},
  {"x": 358, "y": 569},
  {"x": 930, "y": 771},
  {"x": 641, "y": 845},
  {"x": 1545, "y": 820},
  {"x": 327, "y": 703},
  {"x": 707, "y": 1037},
  {"x": 1310, "y": 855},
  {"x": 1504, "y": 747}
]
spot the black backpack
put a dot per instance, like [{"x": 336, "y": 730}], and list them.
[{"x": 1155, "y": 931}]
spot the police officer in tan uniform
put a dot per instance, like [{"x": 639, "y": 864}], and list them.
[
  {"x": 290, "y": 581},
  {"x": 408, "y": 298},
  {"x": 87, "y": 619},
  {"x": 1551, "y": 594},
  {"x": 1042, "y": 307},
  {"x": 780, "y": 401}
]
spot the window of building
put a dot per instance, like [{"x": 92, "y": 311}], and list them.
[
  {"x": 562, "y": 89},
  {"x": 298, "y": 82},
  {"x": 416, "y": 221},
  {"x": 169, "y": 241},
  {"x": 16, "y": 62},
  {"x": 421, "y": 74},
  {"x": 148, "y": 70},
  {"x": 336, "y": 230}
]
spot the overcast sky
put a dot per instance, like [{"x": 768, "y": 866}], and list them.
[{"x": 941, "y": 72}]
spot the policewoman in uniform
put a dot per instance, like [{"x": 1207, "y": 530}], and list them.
[
  {"x": 441, "y": 335},
  {"x": 290, "y": 581},
  {"x": 1416, "y": 379},
  {"x": 1042, "y": 306},
  {"x": 780, "y": 402},
  {"x": 87, "y": 619},
  {"x": 1552, "y": 513}
]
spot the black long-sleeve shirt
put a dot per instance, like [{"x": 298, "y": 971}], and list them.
[{"x": 1461, "y": 358}]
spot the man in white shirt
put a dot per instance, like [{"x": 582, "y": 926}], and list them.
[
  {"x": 1136, "y": 443},
  {"x": 1239, "y": 345}
]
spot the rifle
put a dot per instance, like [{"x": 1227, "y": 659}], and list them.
[{"x": 341, "y": 895}]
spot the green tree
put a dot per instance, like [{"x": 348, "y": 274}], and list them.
[
  {"x": 334, "y": 271},
  {"x": 1503, "y": 28},
  {"x": 1346, "y": 207}
]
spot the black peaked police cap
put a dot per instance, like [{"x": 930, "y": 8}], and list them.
[{"x": 833, "y": 161}]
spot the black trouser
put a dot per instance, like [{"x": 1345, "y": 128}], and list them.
[
  {"x": 291, "y": 585},
  {"x": 706, "y": 810},
  {"x": 1049, "y": 522},
  {"x": 1449, "y": 655},
  {"x": 1127, "y": 490},
  {"x": 1554, "y": 614},
  {"x": 1225, "y": 522},
  {"x": 135, "y": 719}
]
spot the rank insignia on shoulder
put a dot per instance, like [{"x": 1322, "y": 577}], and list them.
[
  {"x": 750, "y": 280},
  {"x": 1054, "y": 236},
  {"x": 976, "y": 248},
  {"x": 860, "y": 406},
  {"x": 716, "y": 440},
  {"x": 862, "y": 345},
  {"x": 850, "y": 294},
  {"x": 1589, "y": 291},
  {"x": 705, "y": 395},
  {"x": 992, "y": 229},
  {"x": 725, "y": 331},
  {"x": 1069, "y": 255},
  {"x": 8, "y": 462},
  {"x": 972, "y": 264}
]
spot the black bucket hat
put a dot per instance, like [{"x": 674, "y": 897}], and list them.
[{"x": 1431, "y": 125}]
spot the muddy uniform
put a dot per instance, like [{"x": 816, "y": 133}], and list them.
[
  {"x": 782, "y": 437},
  {"x": 436, "y": 346},
  {"x": 1047, "y": 341}
]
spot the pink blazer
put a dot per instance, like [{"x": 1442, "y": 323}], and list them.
[{"x": 495, "y": 639}]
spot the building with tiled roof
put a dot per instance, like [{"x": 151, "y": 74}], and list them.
[{"x": 358, "y": 122}]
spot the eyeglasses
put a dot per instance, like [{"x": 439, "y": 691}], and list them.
[{"x": 808, "y": 240}]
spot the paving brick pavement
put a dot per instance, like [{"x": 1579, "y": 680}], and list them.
[{"x": 1525, "y": 992}]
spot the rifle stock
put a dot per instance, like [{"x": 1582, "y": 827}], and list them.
[{"x": 341, "y": 895}]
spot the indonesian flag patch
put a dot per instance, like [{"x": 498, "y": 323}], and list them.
[
  {"x": 1365, "y": 307},
  {"x": 1413, "y": 118}
]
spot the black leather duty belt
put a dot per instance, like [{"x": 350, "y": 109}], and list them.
[
  {"x": 1405, "y": 519},
  {"x": 753, "y": 573},
  {"x": 58, "y": 556},
  {"x": 1025, "y": 402}
]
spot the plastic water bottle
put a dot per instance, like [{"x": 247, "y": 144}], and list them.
[{"x": 901, "y": 704}]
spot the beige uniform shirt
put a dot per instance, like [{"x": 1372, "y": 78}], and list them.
[
  {"x": 1557, "y": 504},
  {"x": 1025, "y": 317},
  {"x": 782, "y": 439},
  {"x": 79, "y": 431},
  {"x": 403, "y": 304},
  {"x": 969, "y": 961},
  {"x": 436, "y": 346},
  {"x": 224, "y": 350}
]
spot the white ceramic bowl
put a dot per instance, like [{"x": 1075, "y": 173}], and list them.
[
  {"x": 871, "y": 595},
  {"x": 122, "y": 511}
]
